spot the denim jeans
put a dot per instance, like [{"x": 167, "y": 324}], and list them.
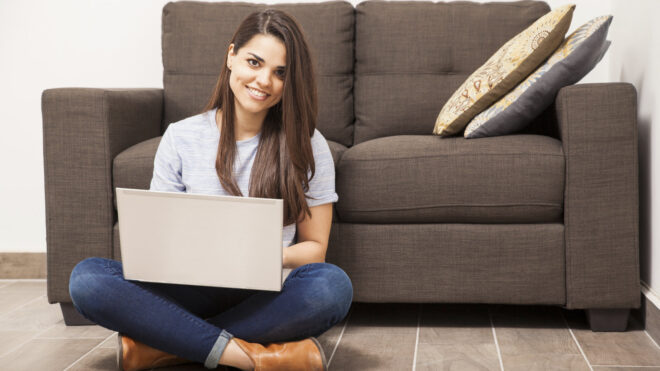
[{"x": 196, "y": 322}]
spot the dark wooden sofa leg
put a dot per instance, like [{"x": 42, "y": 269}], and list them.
[
  {"x": 72, "y": 317},
  {"x": 610, "y": 319}
]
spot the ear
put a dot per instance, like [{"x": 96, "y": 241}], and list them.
[{"x": 230, "y": 56}]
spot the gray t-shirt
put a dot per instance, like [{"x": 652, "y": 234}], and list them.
[{"x": 185, "y": 162}]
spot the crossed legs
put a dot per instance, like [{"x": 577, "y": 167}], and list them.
[{"x": 198, "y": 322}]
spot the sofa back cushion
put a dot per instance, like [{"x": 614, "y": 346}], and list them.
[
  {"x": 411, "y": 56},
  {"x": 195, "y": 40}
]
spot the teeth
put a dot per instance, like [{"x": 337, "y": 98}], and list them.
[{"x": 257, "y": 92}]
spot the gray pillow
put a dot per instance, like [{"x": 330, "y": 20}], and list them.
[{"x": 572, "y": 60}]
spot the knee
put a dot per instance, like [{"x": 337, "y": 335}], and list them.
[
  {"x": 331, "y": 289},
  {"x": 85, "y": 281}
]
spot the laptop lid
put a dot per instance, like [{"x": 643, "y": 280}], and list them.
[{"x": 196, "y": 239}]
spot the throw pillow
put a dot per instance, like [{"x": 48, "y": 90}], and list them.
[
  {"x": 574, "y": 58},
  {"x": 514, "y": 61}
]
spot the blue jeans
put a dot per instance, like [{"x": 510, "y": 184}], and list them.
[{"x": 197, "y": 322}]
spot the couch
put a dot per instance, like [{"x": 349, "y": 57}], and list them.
[{"x": 547, "y": 216}]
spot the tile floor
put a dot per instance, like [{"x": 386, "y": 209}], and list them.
[{"x": 372, "y": 337}]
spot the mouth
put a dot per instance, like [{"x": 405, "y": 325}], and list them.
[{"x": 256, "y": 93}]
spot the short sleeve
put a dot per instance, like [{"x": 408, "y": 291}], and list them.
[
  {"x": 322, "y": 185},
  {"x": 167, "y": 166}
]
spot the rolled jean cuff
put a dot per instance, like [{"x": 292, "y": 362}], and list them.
[{"x": 218, "y": 348}]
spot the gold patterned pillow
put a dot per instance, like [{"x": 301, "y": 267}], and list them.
[
  {"x": 504, "y": 70},
  {"x": 572, "y": 60}
]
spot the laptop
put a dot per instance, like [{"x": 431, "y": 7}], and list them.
[{"x": 205, "y": 240}]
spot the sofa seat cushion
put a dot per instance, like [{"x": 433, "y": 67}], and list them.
[
  {"x": 134, "y": 167},
  {"x": 428, "y": 179}
]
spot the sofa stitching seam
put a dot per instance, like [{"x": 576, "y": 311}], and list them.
[
  {"x": 108, "y": 182},
  {"x": 635, "y": 176},
  {"x": 559, "y": 206},
  {"x": 567, "y": 255},
  {"x": 450, "y": 155}
]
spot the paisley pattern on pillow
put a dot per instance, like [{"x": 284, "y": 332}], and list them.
[
  {"x": 503, "y": 70},
  {"x": 574, "y": 58}
]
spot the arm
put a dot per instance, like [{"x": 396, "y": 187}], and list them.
[
  {"x": 167, "y": 174},
  {"x": 314, "y": 231},
  {"x": 83, "y": 130},
  {"x": 313, "y": 235},
  {"x": 598, "y": 129}
]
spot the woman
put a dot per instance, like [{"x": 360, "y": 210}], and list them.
[{"x": 262, "y": 114}]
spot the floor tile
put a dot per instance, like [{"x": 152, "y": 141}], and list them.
[
  {"x": 456, "y": 337},
  {"x": 329, "y": 339},
  {"x": 61, "y": 330},
  {"x": 100, "y": 359},
  {"x": 24, "y": 284},
  {"x": 532, "y": 330},
  {"x": 535, "y": 338},
  {"x": 18, "y": 293},
  {"x": 457, "y": 357},
  {"x": 606, "y": 368},
  {"x": 47, "y": 354},
  {"x": 10, "y": 340},
  {"x": 378, "y": 337},
  {"x": 105, "y": 359},
  {"x": 630, "y": 348},
  {"x": 543, "y": 362},
  {"x": 32, "y": 286},
  {"x": 4, "y": 283},
  {"x": 111, "y": 342},
  {"x": 455, "y": 324},
  {"x": 34, "y": 316}
]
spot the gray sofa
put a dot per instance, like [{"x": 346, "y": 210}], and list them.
[{"x": 548, "y": 215}]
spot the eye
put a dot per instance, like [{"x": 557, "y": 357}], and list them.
[
  {"x": 255, "y": 64},
  {"x": 280, "y": 73}
]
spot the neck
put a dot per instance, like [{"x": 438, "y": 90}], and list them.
[{"x": 247, "y": 125}]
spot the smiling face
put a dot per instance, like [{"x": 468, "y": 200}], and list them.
[{"x": 257, "y": 74}]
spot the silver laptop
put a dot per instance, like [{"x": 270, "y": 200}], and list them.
[{"x": 207, "y": 240}]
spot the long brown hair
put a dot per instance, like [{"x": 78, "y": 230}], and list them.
[{"x": 284, "y": 155}]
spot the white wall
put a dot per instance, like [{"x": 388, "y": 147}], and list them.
[
  {"x": 634, "y": 58},
  {"x": 48, "y": 44},
  {"x": 77, "y": 43}
]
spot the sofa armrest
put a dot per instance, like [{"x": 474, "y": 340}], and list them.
[
  {"x": 597, "y": 124},
  {"x": 83, "y": 130}
]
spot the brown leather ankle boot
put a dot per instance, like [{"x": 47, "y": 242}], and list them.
[
  {"x": 303, "y": 355},
  {"x": 133, "y": 356}
]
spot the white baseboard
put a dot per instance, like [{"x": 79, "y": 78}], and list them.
[{"x": 651, "y": 295}]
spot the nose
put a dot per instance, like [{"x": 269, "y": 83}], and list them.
[{"x": 264, "y": 78}]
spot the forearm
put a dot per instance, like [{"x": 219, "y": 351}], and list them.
[{"x": 302, "y": 253}]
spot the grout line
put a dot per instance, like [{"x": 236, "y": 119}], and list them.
[
  {"x": 23, "y": 305},
  {"x": 497, "y": 345},
  {"x": 340, "y": 336},
  {"x": 91, "y": 350},
  {"x": 419, "y": 316},
  {"x": 652, "y": 339},
  {"x": 27, "y": 341},
  {"x": 575, "y": 339}
]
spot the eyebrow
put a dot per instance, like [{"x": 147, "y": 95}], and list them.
[{"x": 262, "y": 60}]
